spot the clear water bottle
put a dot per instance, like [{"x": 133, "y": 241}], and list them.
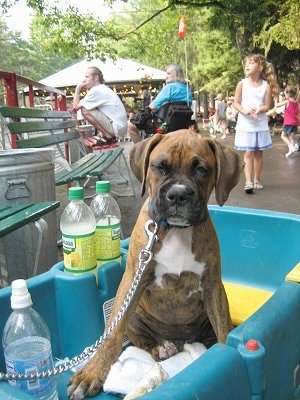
[
  {"x": 77, "y": 224},
  {"x": 27, "y": 347},
  {"x": 108, "y": 219}
]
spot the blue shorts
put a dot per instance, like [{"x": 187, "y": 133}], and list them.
[{"x": 289, "y": 129}]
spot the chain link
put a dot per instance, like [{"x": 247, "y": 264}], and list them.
[{"x": 145, "y": 257}]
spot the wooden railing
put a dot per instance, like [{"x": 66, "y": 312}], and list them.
[
  {"x": 12, "y": 80},
  {"x": 23, "y": 92}
]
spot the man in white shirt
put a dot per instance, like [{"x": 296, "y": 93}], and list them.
[{"x": 101, "y": 107}]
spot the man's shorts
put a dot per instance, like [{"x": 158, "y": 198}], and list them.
[{"x": 103, "y": 121}]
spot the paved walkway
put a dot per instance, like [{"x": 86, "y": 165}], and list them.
[{"x": 281, "y": 180}]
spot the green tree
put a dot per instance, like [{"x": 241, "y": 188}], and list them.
[
  {"x": 244, "y": 19},
  {"x": 28, "y": 58},
  {"x": 220, "y": 33}
]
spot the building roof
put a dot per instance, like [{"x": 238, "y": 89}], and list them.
[{"x": 121, "y": 70}]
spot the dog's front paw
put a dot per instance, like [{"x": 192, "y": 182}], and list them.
[
  {"x": 85, "y": 383},
  {"x": 165, "y": 350}
]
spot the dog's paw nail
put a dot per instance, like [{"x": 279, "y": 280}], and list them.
[{"x": 75, "y": 393}]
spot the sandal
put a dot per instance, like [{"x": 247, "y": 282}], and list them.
[
  {"x": 113, "y": 139},
  {"x": 100, "y": 141},
  {"x": 104, "y": 140},
  {"x": 249, "y": 188}
]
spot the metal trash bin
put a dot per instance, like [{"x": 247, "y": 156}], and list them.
[{"x": 27, "y": 176}]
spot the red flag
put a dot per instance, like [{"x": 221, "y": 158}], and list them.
[{"x": 182, "y": 27}]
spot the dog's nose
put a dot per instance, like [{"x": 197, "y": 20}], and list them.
[{"x": 179, "y": 195}]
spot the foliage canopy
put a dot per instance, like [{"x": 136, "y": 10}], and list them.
[{"x": 220, "y": 33}]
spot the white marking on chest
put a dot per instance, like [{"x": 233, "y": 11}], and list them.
[{"x": 175, "y": 255}]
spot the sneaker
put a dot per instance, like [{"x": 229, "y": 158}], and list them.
[
  {"x": 258, "y": 185},
  {"x": 213, "y": 136},
  {"x": 223, "y": 137},
  {"x": 249, "y": 188},
  {"x": 297, "y": 146},
  {"x": 291, "y": 151}
]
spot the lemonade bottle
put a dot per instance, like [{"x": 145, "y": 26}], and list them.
[
  {"x": 78, "y": 225},
  {"x": 108, "y": 218}
]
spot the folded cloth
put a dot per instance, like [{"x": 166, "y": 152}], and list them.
[{"x": 136, "y": 372}]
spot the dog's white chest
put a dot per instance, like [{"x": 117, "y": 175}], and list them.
[{"x": 175, "y": 255}]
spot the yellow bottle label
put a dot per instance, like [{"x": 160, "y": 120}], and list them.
[
  {"x": 107, "y": 239},
  {"x": 79, "y": 252}
]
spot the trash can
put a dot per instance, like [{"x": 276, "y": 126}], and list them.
[{"x": 27, "y": 176}]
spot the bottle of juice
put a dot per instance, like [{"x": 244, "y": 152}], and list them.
[
  {"x": 108, "y": 218},
  {"x": 78, "y": 226}
]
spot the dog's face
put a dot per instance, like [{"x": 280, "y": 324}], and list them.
[{"x": 181, "y": 169}]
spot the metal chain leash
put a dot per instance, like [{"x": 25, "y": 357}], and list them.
[{"x": 145, "y": 257}]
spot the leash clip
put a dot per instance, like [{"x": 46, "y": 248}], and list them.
[{"x": 146, "y": 253}]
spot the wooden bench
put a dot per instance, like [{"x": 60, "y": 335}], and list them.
[
  {"x": 36, "y": 128},
  {"x": 13, "y": 217}
]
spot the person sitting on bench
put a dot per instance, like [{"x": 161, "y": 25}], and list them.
[
  {"x": 101, "y": 107},
  {"x": 175, "y": 90}
]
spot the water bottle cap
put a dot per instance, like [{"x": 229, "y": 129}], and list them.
[
  {"x": 76, "y": 193},
  {"x": 102, "y": 187},
  {"x": 20, "y": 297}
]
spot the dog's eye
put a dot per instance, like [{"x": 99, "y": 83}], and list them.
[
  {"x": 162, "y": 168},
  {"x": 200, "y": 169}
]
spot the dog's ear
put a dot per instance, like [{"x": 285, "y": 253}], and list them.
[
  {"x": 229, "y": 169},
  {"x": 139, "y": 158}
]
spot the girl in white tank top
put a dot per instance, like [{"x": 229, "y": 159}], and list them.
[{"x": 253, "y": 97}]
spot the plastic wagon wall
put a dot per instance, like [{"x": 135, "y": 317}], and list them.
[
  {"x": 258, "y": 247},
  {"x": 72, "y": 308}
]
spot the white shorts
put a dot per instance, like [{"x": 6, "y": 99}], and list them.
[
  {"x": 252, "y": 140},
  {"x": 104, "y": 121}
]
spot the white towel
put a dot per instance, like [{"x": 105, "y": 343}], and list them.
[{"x": 136, "y": 372}]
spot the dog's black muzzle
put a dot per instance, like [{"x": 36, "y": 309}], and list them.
[
  {"x": 179, "y": 196},
  {"x": 179, "y": 205}
]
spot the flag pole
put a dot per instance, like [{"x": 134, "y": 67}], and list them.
[
  {"x": 186, "y": 70},
  {"x": 182, "y": 34}
]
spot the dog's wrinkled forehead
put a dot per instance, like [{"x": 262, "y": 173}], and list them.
[
  {"x": 179, "y": 157},
  {"x": 187, "y": 152},
  {"x": 180, "y": 152},
  {"x": 176, "y": 149}
]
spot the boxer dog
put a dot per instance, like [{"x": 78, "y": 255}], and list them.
[{"x": 180, "y": 298}]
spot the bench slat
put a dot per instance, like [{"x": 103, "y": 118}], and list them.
[
  {"x": 17, "y": 112},
  {"x": 92, "y": 164},
  {"x": 14, "y": 217},
  {"x": 106, "y": 163},
  {"x": 47, "y": 140},
  {"x": 39, "y": 126},
  {"x": 98, "y": 164},
  {"x": 7, "y": 210}
]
